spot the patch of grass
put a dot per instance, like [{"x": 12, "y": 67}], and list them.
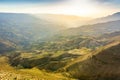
[{"x": 42, "y": 74}]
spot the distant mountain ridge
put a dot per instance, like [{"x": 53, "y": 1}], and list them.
[
  {"x": 22, "y": 29},
  {"x": 93, "y": 29},
  {"x": 113, "y": 17}
]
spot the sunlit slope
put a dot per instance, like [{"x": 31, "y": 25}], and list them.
[
  {"x": 103, "y": 64},
  {"x": 9, "y": 73}
]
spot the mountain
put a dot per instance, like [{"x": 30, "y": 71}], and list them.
[
  {"x": 93, "y": 30},
  {"x": 113, "y": 17},
  {"x": 27, "y": 25},
  {"x": 22, "y": 29},
  {"x": 80, "y": 63},
  {"x": 103, "y": 64},
  {"x": 34, "y": 43}
]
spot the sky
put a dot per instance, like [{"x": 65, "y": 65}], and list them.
[{"x": 84, "y": 8}]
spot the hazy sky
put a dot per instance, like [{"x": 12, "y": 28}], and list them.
[{"x": 86, "y": 8}]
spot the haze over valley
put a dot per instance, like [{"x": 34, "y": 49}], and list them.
[{"x": 57, "y": 40}]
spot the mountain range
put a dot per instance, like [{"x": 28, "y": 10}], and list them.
[
  {"x": 37, "y": 27},
  {"x": 45, "y": 44}
]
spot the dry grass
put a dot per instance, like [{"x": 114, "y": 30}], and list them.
[{"x": 9, "y": 73}]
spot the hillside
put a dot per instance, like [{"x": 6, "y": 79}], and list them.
[
  {"x": 13, "y": 24},
  {"x": 110, "y": 35},
  {"x": 103, "y": 64},
  {"x": 23, "y": 29},
  {"x": 7, "y": 72},
  {"x": 42, "y": 47},
  {"x": 93, "y": 30},
  {"x": 66, "y": 43},
  {"x": 95, "y": 27}
]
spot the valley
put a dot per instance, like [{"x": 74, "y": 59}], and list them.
[{"x": 34, "y": 48}]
